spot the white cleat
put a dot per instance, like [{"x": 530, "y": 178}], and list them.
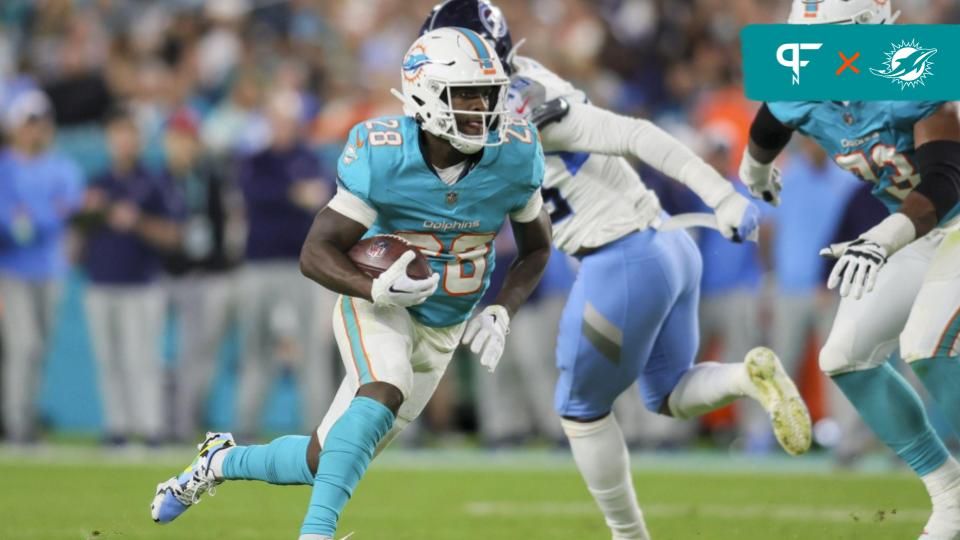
[
  {"x": 944, "y": 522},
  {"x": 179, "y": 493},
  {"x": 778, "y": 395}
]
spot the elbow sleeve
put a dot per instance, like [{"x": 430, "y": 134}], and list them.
[
  {"x": 939, "y": 166},
  {"x": 767, "y": 132}
]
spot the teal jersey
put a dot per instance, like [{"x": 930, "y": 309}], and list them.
[
  {"x": 453, "y": 225},
  {"x": 873, "y": 140}
]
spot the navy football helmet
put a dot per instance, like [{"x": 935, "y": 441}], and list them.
[{"x": 481, "y": 16}]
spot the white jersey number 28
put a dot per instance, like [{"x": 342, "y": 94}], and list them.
[{"x": 466, "y": 259}]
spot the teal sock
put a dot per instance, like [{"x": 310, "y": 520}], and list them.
[
  {"x": 283, "y": 461},
  {"x": 895, "y": 414},
  {"x": 347, "y": 452},
  {"x": 941, "y": 377}
]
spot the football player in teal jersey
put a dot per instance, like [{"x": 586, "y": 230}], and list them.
[
  {"x": 900, "y": 280},
  {"x": 444, "y": 177}
]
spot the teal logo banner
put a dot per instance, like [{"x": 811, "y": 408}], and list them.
[{"x": 909, "y": 62}]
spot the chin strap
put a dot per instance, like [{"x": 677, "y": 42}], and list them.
[{"x": 464, "y": 147}]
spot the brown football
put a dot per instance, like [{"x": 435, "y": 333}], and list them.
[{"x": 375, "y": 254}]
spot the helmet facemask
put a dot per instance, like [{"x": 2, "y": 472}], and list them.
[{"x": 470, "y": 129}]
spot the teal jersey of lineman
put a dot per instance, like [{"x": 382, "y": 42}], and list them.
[
  {"x": 453, "y": 225},
  {"x": 873, "y": 140}
]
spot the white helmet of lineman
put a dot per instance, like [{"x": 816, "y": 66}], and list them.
[
  {"x": 447, "y": 58},
  {"x": 842, "y": 12}
]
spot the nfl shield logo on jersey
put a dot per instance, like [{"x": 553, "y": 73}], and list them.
[{"x": 452, "y": 198}]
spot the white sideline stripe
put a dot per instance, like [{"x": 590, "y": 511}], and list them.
[{"x": 721, "y": 511}]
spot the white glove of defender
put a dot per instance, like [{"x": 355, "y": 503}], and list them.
[
  {"x": 763, "y": 180},
  {"x": 486, "y": 334},
  {"x": 859, "y": 264},
  {"x": 737, "y": 217},
  {"x": 860, "y": 260},
  {"x": 395, "y": 288}
]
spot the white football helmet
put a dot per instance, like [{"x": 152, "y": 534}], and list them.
[
  {"x": 842, "y": 12},
  {"x": 447, "y": 58}
]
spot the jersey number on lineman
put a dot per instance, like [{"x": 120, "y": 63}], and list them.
[{"x": 904, "y": 179}]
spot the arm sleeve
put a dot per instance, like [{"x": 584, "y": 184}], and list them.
[
  {"x": 768, "y": 132},
  {"x": 939, "y": 166},
  {"x": 530, "y": 211},
  {"x": 353, "y": 207},
  {"x": 587, "y": 128}
]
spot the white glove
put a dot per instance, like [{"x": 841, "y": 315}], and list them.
[
  {"x": 737, "y": 217},
  {"x": 860, "y": 262},
  {"x": 861, "y": 259},
  {"x": 486, "y": 334},
  {"x": 763, "y": 179},
  {"x": 395, "y": 288}
]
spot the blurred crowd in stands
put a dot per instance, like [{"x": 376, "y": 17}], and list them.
[{"x": 172, "y": 155}]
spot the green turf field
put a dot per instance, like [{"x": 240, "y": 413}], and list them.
[{"x": 471, "y": 496}]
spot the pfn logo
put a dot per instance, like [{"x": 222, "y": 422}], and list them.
[{"x": 794, "y": 62}]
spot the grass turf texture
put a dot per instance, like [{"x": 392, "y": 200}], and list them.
[{"x": 100, "y": 500}]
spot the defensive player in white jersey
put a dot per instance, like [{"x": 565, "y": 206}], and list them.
[
  {"x": 632, "y": 313},
  {"x": 900, "y": 280}
]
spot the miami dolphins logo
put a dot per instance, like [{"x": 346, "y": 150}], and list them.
[
  {"x": 908, "y": 64},
  {"x": 414, "y": 62}
]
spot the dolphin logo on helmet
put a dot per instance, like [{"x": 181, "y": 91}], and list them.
[{"x": 450, "y": 58}]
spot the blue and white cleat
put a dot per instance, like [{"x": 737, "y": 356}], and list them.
[
  {"x": 773, "y": 388},
  {"x": 174, "y": 496}
]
